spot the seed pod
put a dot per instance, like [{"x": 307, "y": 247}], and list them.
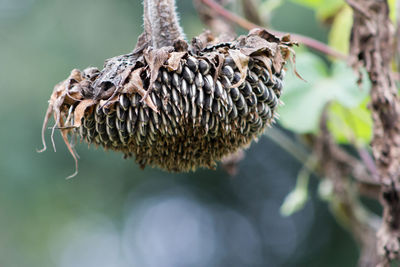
[
  {"x": 184, "y": 88},
  {"x": 176, "y": 81},
  {"x": 192, "y": 63},
  {"x": 251, "y": 100},
  {"x": 219, "y": 91},
  {"x": 166, "y": 78},
  {"x": 235, "y": 94},
  {"x": 193, "y": 92},
  {"x": 227, "y": 71},
  {"x": 252, "y": 78},
  {"x": 200, "y": 98},
  {"x": 189, "y": 115},
  {"x": 209, "y": 84},
  {"x": 246, "y": 89},
  {"x": 226, "y": 83},
  {"x": 198, "y": 80},
  {"x": 204, "y": 67},
  {"x": 188, "y": 75},
  {"x": 207, "y": 102},
  {"x": 124, "y": 101}
]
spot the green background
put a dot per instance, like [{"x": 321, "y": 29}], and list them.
[{"x": 113, "y": 213}]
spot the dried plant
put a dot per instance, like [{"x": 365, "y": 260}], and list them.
[{"x": 171, "y": 104}]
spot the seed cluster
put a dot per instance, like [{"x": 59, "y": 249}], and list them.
[
  {"x": 194, "y": 114},
  {"x": 199, "y": 119}
]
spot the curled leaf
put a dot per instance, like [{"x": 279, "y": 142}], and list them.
[
  {"x": 174, "y": 60},
  {"x": 135, "y": 85},
  {"x": 242, "y": 62},
  {"x": 80, "y": 111}
]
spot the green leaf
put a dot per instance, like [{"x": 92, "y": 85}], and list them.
[
  {"x": 339, "y": 35},
  {"x": 325, "y": 189},
  {"x": 303, "y": 104},
  {"x": 267, "y": 7},
  {"x": 323, "y": 8},
  {"x": 392, "y": 10},
  {"x": 304, "y": 101},
  {"x": 298, "y": 197},
  {"x": 347, "y": 92},
  {"x": 349, "y": 125}
]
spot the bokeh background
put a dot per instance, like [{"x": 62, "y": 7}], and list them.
[{"x": 113, "y": 214}]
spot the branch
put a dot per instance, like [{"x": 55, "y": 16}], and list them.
[
  {"x": 337, "y": 166},
  {"x": 372, "y": 48},
  {"x": 307, "y": 41}
]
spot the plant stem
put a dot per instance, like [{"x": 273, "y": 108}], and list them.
[
  {"x": 161, "y": 23},
  {"x": 307, "y": 41}
]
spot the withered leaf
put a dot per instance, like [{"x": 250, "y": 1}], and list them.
[
  {"x": 80, "y": 111},
  {"x": 201, "y": 41},
  {"x": 242, "y": 62},
  {"x": 264, "y": 34},
  {"x": 64, "y": 134},
  {"x": 135, "y": 85},
  {"x": 155, "y": 59},
  {"x": 256, "y": 45},
  {"x": 174, "y": 60},
  {"x": 266, "y": 61}
]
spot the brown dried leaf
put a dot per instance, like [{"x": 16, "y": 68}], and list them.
[
  {"x": 174, "y": 60},
  {"x": 181, "y": 45},
  {"x": 255, "y": 45},
  {"x": 201, "y": 41},
  {"x": 135, "y": 85},
  {"x": 278, "y": 62},
  {"x": 293, "y": 61},
  {"x": 75, "y": 76},
  {"x": 80, "y": 111},
  {"x": 155, "y": 59},
  {"x": 56, "y": 101},
  {"x": 242, "y": 62},
  {"x": 266, "y": 35},
  {"x": 64, "y": 134},
  {"x": 266, "y": 61},
  {"x": 45, "y": 122}
]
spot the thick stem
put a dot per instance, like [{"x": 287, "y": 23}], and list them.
[{"x": 161, "y": 23}]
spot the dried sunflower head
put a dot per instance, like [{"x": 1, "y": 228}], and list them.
[{"x": 177, "y": 107}]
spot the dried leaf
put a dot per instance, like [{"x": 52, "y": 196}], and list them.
[
  {"x": 242, "y": 62},
  {"x": 218, "y": 68},
  {"x": 155, "y": 59},
  {"x": 278, "y": 62},
  {"x": 174, "y": 60},
  {"x": 266, "y": 61},
  {"x": 201, "y": 41},
  {"x": 45, "y": 122},
  {"x": 256, "y": 45},
  {"x": 266, "y": 35},
  {"x": 293, "y": 61},
  {"x": 135, "y": 85},
  {"x": 64, "y": 134},
  {"x": 80, "y": 111},
  {"x": 181, "y": 45}
]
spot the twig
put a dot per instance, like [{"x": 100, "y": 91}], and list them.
[
  {"x": 337, "y": 167},
  {"x": 307, "y": 41}
]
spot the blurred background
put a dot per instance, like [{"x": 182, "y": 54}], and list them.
[{"x": 113, "y": 214}]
